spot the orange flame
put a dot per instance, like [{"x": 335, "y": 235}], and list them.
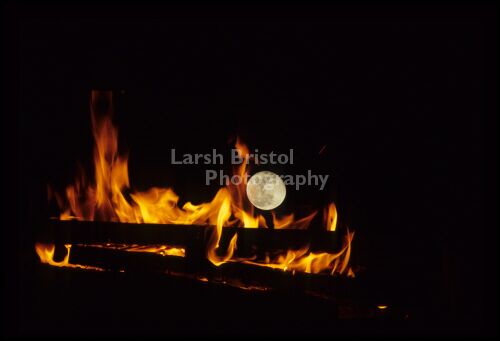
[
  {"x": 283, "y": 222},
  {"x": 303, "y": 260},
  {"x": 109, "y": 198},
  {"x": 213, "y": 243},
  {"x": 46, "y": 254},
  {"x": 106, "y": 200},
  {"x": 288, "y": 221},
  {"x": 331, "y": 217}
]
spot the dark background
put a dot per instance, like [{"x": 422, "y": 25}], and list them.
[{"x": 402, "y": 97}]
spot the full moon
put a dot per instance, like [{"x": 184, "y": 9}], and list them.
[{"x": 266, "y": 190}]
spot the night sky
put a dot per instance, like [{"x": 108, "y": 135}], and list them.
[{"x": 404, "y": 98}]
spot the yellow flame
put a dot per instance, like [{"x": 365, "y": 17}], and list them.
[
  {"x": 46, "y": 254},
  {"x": 105, "y": 199},
  {"x": 213, "y": 244},
  {"x": 330, "y": 215},
  {"x": 108, "y": 197},
  {"x": 303, "y": 260}
]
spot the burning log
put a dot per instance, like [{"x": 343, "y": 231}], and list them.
[
  {"x": 89, "y": 232},
  {"x": 119, "y": 260},
  {"x": 192, "y": 237},
  {"x": 241, "y": 275}
]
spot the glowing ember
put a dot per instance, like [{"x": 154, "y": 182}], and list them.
[
  {"x": 105, "y": 199},
  {"x": 162, "y": 250}
]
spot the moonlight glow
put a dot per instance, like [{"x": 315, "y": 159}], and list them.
[{"x": 266, "y": 190}]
